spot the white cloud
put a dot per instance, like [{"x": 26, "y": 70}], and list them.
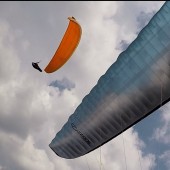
[
  {"x": 29, "y": 157},
  {"x": 165, "y": 157},
  {"x": 9, "y": 63},
  {"x": 162, "y": 133},
  {"x": 120, "y": 153},
  {"x": 21, "y": 154},
  {"x": 126, "y": 151}
]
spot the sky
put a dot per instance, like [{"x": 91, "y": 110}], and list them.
[{"x": 35, "y": 105}]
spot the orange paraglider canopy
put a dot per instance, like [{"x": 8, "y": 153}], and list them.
[{"x": 67, "y": 46}]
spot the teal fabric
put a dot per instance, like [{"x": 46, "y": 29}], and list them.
[{"x": 131, "y": 89}]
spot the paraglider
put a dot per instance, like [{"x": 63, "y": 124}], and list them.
[
  {"x": 133, "y": 87},
  {"x": 36, "y": 66},
  {"x": 67, "y": 46}
]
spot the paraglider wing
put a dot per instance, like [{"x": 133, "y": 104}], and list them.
[
  {"x": 67, "y": 46},
  {"x": 132, "y": 88}
]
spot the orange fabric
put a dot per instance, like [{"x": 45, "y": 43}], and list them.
[{"x": 67, "y": 46}]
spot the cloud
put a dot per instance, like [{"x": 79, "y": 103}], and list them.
[
  {"x": 22, "y": 106},
  {"x": 165, "y": 157},
  {"x": 123, "y": 45},
  {"x": 162, "y": 133},
  {"x": 9, "y": 63},
  {"x": 21, "y": 154},
  {"x": 143, "y": 18},
  {"x": 119, "y": 152},
  {"x": 63, "y": 84},
  {"x": 132, "y": 21}
]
